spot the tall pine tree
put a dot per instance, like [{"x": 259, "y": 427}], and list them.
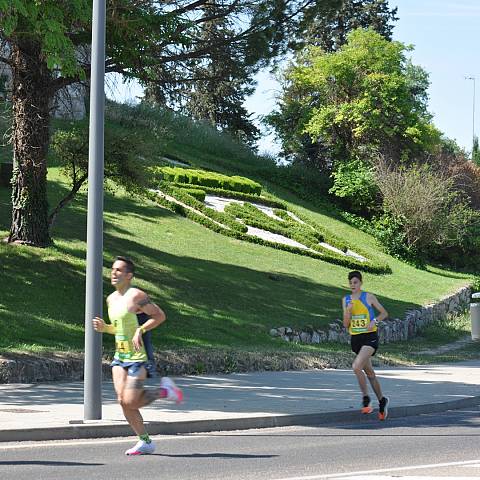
[
  {"x": 224, "y": 80},
  {"x": 329, "y": 28}
]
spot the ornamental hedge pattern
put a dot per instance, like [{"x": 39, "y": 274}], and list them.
[{"x": 177, "y": 184}]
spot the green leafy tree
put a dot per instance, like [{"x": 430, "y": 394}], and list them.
[
  {"x": 46, "y": 42},
  {"x": 362, "y": 100},
  {"x": 214, "y": 88},
  {"x": 476, "y": 151},
  {"x": 123, "y": 147}
]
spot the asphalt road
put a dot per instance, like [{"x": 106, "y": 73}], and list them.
[{"x": 444, "y": 446}]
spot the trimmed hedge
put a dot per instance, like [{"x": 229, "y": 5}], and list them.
[
  {"x": 246, "y": 197},
  {"x": 196, "y": 193},
  {"x": 221, "y": 217},
  {"x": 327, "y": 256},
  {"x": 327, "y": 236},
  {"x": 207, "y": 179},
  {"x": 256, "y": 218}
]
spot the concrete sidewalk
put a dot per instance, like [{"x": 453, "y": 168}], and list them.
[{"x": 237, "y": 401}]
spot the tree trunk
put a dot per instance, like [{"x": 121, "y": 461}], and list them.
[{"x": 31, "y": 117}]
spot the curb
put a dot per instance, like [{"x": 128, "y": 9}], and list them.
[{"x": 103, "y": 430}]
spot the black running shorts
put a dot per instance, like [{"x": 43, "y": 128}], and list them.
[{"x": 368, "y": 339}]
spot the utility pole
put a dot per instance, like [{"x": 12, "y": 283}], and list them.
[
  {"x": 93, "y": 289},
  {"x": 473, "y": 112}
]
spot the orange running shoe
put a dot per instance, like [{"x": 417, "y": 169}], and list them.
[
  {"x": 366, "y": 408},
  {"x": 383, "y": 409}
]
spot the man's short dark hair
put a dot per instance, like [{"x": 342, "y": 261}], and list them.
[
  {"x": 128, "y": 262},
  {"x": 355, "y": 274}
]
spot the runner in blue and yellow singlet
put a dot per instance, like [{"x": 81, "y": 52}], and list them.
[
  {"x": 129, "y": 366},
  {"x": 359, "y": 317}
]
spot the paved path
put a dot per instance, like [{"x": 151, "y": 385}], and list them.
[
  {"x": 449, "y": 347},
  {"x": 236, "y": 401}
]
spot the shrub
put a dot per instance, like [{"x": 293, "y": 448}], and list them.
[
  {"x": 424, "y": 206},
  {"x": 220, "y": 217},
  {"x": 390, "y": 232},
  {"x": 247, "y": 197},
  {"x": 196, "y": 193},
  {"x": 207, "y": 179},
  {"x": 354, "y": 182},
  {"x": 466, "y": 177}
]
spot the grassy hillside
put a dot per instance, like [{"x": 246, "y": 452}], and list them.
[{"x": 217, "y": 292}]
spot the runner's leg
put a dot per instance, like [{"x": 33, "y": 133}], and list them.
[
  {"x": 131, "y": 400},
  {"x": 358, "y": 366},
  {"x": 372, "y": 377}
]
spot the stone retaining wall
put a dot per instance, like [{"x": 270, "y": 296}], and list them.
[
  {"x": 390, "y": 330},
  {"x": 30, "y": 368}
]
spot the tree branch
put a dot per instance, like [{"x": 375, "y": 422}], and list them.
[
  {"x": 189, "y": 8},
  {"x": 7, "y": 61},
  {"x": 66, "y": 200}
]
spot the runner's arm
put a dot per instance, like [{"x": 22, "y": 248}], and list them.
[
  {"x": 383, "y": 314},
  {"x": 347, "y": 313},
  {"x": 100, "y": 326},
  {"x": 156, "y": 314}
]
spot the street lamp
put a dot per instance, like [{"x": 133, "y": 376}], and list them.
[
  {"x": 473, "y": 112},
  {"x": 93, "y": 288}
]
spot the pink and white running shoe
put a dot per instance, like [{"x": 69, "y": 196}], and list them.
[
  {"x": 173, "y": 392},
  {"x": 141, "y": 448}
]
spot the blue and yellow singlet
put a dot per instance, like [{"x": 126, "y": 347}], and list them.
[{"x": 362, "y": 315}]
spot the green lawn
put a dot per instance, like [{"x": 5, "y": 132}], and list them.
[{"x": 217, "y": 292}]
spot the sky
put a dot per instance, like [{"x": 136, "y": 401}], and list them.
[{"x": 446, "y": 39}]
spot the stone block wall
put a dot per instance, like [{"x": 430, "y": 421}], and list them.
[{"x": 390, "y": 330}]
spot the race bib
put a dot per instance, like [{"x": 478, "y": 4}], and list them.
[
  {"x": 359, "y": 323},
  {"x": 122, "y": 346}
]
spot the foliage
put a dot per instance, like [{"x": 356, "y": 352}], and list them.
[
  {"x": 359, "y": 222},
  {"x": 425, "y": 212},
  {"x": 185, "y": 139},
  {"x": 121, "y": 162},
  {"x": 238, "y": 37},
  {"x": 207, "y": 179},
  {"x": 452, "y": 162},
  {"x": 185, "y": 197},
  {"x": 196, "y": 193},
  {"x": 329, "y": 28},
  {"x": 289, "y": 228},
  {"x": 354, "y": 181},
  {"x": 307, "y": 183},
  {"x": 363, "y": 99},
  {"x": 247, "y": 197},
  {"x": 476, "y": 152},
  {"x": 390, "y": 232},
  {"x": 48, "y": 50},
  {"x": 326, "y": 255},
  {"x": 222, "y": 82},
  {"x": 305, "y": 232}
]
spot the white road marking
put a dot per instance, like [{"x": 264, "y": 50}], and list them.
[
  {"x": 357, "y": 475},
  {"x": 397, "y": 477}
]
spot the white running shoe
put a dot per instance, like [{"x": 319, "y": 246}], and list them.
[
  {"x": 141, "y": 448},
  {"x": 173, "y": 392}
]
